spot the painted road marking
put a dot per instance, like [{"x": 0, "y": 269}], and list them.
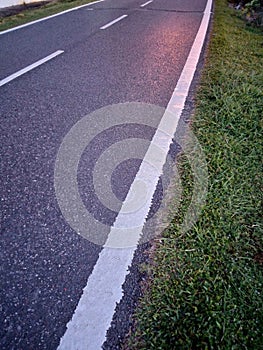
[
  {"x": 113, "y": 22},
  {"x": 93, "y": 315},
  {"x": 48, "y": 17},
  {"x": 146, "y": 3},
  {"x": 28, "y": 68}
]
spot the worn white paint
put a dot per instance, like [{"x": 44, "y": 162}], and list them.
[
  {"x": 147, "y": 3},
  {"x": 29, "y": 68},
  {"x": 113, "y": 22},
  {"x": 8, "y": 3}
]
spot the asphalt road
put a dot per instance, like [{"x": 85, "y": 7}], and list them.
[{"x": 45, "y": 264}]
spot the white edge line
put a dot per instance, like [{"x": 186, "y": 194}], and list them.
[
  {"x": 30, "y": 67},
  {"x": 48, "y": 17},
  {"x": 113, "y": 22},
  {"x": 93, "y": 315},
  {"x": 146, "y": 3}
]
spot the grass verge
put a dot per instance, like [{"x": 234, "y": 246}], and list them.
[
  {"x": 204, "y": 288},
  {"x": 32, "y": 14}
]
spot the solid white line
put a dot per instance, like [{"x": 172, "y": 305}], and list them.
[
  {"x": 113, "y": 22},
  {"x": 48, "y": 17},
  {"x": 28, "y": 68},
  {"x": 93, "y": 315},
  {"x": 147, "y": 3}
]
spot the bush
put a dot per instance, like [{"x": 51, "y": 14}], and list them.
[{"x": 251, "y": 10}]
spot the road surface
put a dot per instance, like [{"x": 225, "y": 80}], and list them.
[{"x": 53, "y": 73}]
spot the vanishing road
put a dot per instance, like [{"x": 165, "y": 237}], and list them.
[{"x": 60, "y": 281}]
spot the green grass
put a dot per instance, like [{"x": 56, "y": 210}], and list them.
[
  {"x": 204, "y": 288},
  {"x": 29, "y": 15}
]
